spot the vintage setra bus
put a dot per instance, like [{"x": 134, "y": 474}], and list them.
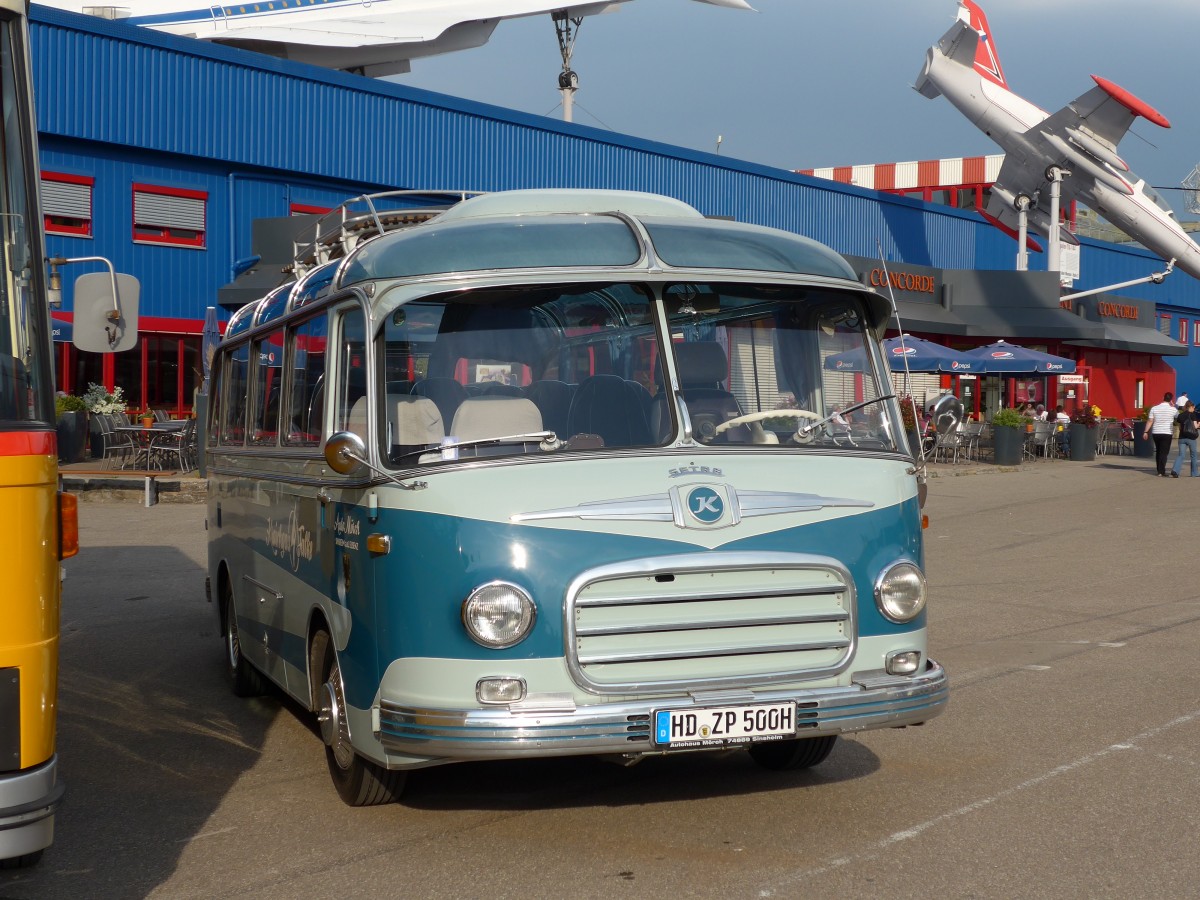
[{"x": 541, "y": 473}]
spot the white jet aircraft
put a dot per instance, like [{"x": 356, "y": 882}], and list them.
[
  {"x": 370, "y": 37},
  {"x": 1080, "y": 138}
]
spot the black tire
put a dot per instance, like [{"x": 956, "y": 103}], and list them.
[
  {"x": 784, "y": 756},
  {"x": 244, "y": 679},
  {"x": 359, "y": 781},
  {"x": 22, "y": 861}
]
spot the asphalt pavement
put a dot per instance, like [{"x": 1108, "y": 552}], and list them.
[{"x": 1066, "y": 766}]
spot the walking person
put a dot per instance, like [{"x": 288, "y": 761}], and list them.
[
  {"x": 1188, "y": 432},
  {"x": 1159, "y": 424}
]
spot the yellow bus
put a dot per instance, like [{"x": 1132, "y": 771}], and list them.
[{"x": 38, "y": 523}]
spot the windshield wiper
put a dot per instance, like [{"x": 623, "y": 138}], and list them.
[
  {"x": 813, "y": 426},
  {"x": 547, "y": 440}
]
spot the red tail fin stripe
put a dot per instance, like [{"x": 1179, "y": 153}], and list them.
[{"x": 987, "y": 58}]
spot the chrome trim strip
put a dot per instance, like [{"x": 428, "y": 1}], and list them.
[
  {"x": 709, "y": 561},
  {"x": 710, "y": 595},
  {"x": 625, "y": 727},
  {"x": 707, "y": 624},
  {"x": 266, "y": 589},
  {"x": 632, "y": 657},
  {"x": 669, "y": 507}
]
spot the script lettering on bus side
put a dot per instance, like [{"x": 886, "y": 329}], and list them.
[
  {"x": 346, "y": 528},
  {"x": 289, "y": 539}
]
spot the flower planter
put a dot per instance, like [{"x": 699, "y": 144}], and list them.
[
  {"x": 72, "y": 433},
  {"x": 1143, "y": 444},
  {"x": 1008, "y": 441},
  {"x": 1083, "y": 442}
]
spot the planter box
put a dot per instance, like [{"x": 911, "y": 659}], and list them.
[
  {"x": 1083, "y": 442},
  {"x": 1143, "y": 444},
  {"x": 1008, "y": 441},
  {"x": 72, "y": 432}
]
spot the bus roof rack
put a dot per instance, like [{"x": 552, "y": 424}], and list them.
[{"x": 336, "y": 233}]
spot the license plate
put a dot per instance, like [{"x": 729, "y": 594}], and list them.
[{"x": 720, "y": 725}]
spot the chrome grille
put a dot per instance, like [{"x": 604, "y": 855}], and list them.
[{"x": 709, "y": 619}]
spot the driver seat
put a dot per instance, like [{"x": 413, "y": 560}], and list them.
[{"x": 703, "y": 367}]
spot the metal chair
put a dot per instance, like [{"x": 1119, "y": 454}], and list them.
[
  {"x": 1045, "y": 439},
  {"x": 971, "y": 436},
  {"x": 114, "y": 442},
  {"x": 177, "y": 444}
]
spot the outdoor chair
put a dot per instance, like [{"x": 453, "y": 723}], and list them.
[
  {"x": 972, "y": 436},
  {"x": 1045, "y": 440},
  {"x": 176, "y": 446},
  {"x": 949, "y": 445},
  {"x": 114, "y": 443},
  {"x": 160, "y": 415}
]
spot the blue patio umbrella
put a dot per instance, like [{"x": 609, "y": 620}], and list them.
[
  {"x": 1002, "y": 357},
  {"x": 208, "y": 344},
  {"x": 61, "y": 330},
  {"x": 921, "y": 356}
]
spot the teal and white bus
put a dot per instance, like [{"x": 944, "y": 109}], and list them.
[{"x": 565, "y": 472}]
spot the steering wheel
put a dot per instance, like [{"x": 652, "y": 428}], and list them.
[{"x": 750, "y": 418}]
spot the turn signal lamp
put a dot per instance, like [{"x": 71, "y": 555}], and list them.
[{"x": 68, "y": 525}]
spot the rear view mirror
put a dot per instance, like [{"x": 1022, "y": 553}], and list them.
[
  {"x": 103, "y": 323},
  {"x": 344, "y": 452}
]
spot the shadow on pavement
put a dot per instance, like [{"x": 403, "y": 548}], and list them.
[{"x": 150, "y": 738}]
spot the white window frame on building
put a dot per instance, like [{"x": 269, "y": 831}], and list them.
[
  {"x": 174, "y": 217},
  {"x": 67, "y": 204}
]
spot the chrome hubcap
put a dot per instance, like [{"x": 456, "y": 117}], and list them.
[{"x": 335, "y": 731}]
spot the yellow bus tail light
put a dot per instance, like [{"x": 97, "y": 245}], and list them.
[{"x": 68, "y": 525}]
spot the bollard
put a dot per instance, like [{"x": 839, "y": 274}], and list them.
[{"x": 151, "y": 490}]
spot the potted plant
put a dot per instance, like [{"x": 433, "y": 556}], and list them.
[
  {"x": 1084, "y": 433},
  {"x": 1143, "y": 445},
  {"x": 71, "y": 425},
  {"x": 1008, "y": 436},
  {"x": 147, "y": 417},
  {"x": 100, "y": 402}
]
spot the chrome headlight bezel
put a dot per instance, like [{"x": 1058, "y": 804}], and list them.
[
  {"x": 901, "y": 592},
  {"x": 518, "y": 620}
]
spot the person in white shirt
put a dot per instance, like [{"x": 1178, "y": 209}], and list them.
[
  {"x": 1159, "y": 425},
  {"x": 1181, "y": 400}
]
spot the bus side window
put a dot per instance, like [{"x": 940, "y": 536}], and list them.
[
  {"x": 306, "y": 343},
  {"x": 351, "y": 387},
  {"x": 267, "y": 359},
  {"x": 233, "y": 385}
]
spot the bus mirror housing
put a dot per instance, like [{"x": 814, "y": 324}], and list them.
[
  {"x": 344, "y": 452},
  {"x": 104, "y": 323}
]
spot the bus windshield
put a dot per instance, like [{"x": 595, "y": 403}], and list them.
[
  {"x": 586, "y": 363},
  {"x": 25, "y": 386}
]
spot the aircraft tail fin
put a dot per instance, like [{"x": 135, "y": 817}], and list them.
[{"x": 987, "y": 58}]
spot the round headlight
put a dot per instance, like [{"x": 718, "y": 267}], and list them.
[
  {"x": 900, "y": 592},
  {"x": 498, "y": 614}
]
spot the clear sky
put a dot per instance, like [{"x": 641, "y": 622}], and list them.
[{"x": 807, "y": 83}]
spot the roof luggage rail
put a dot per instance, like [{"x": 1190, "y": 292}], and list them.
[{"x": 343, "y": 228}]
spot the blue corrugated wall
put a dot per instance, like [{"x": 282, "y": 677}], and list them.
[{"x": 127, "y": 105}]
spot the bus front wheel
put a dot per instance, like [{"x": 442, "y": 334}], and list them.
[
  {"x": 359, "y": 781},
  {"x": 783, "y": 756}
]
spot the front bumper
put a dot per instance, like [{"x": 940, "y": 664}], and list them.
[
  {"x": 27, "y": 803},
  {"x": 874, "y": 700}
]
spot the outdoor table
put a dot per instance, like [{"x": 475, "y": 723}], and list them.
[{"x": 142, "y": 436}]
